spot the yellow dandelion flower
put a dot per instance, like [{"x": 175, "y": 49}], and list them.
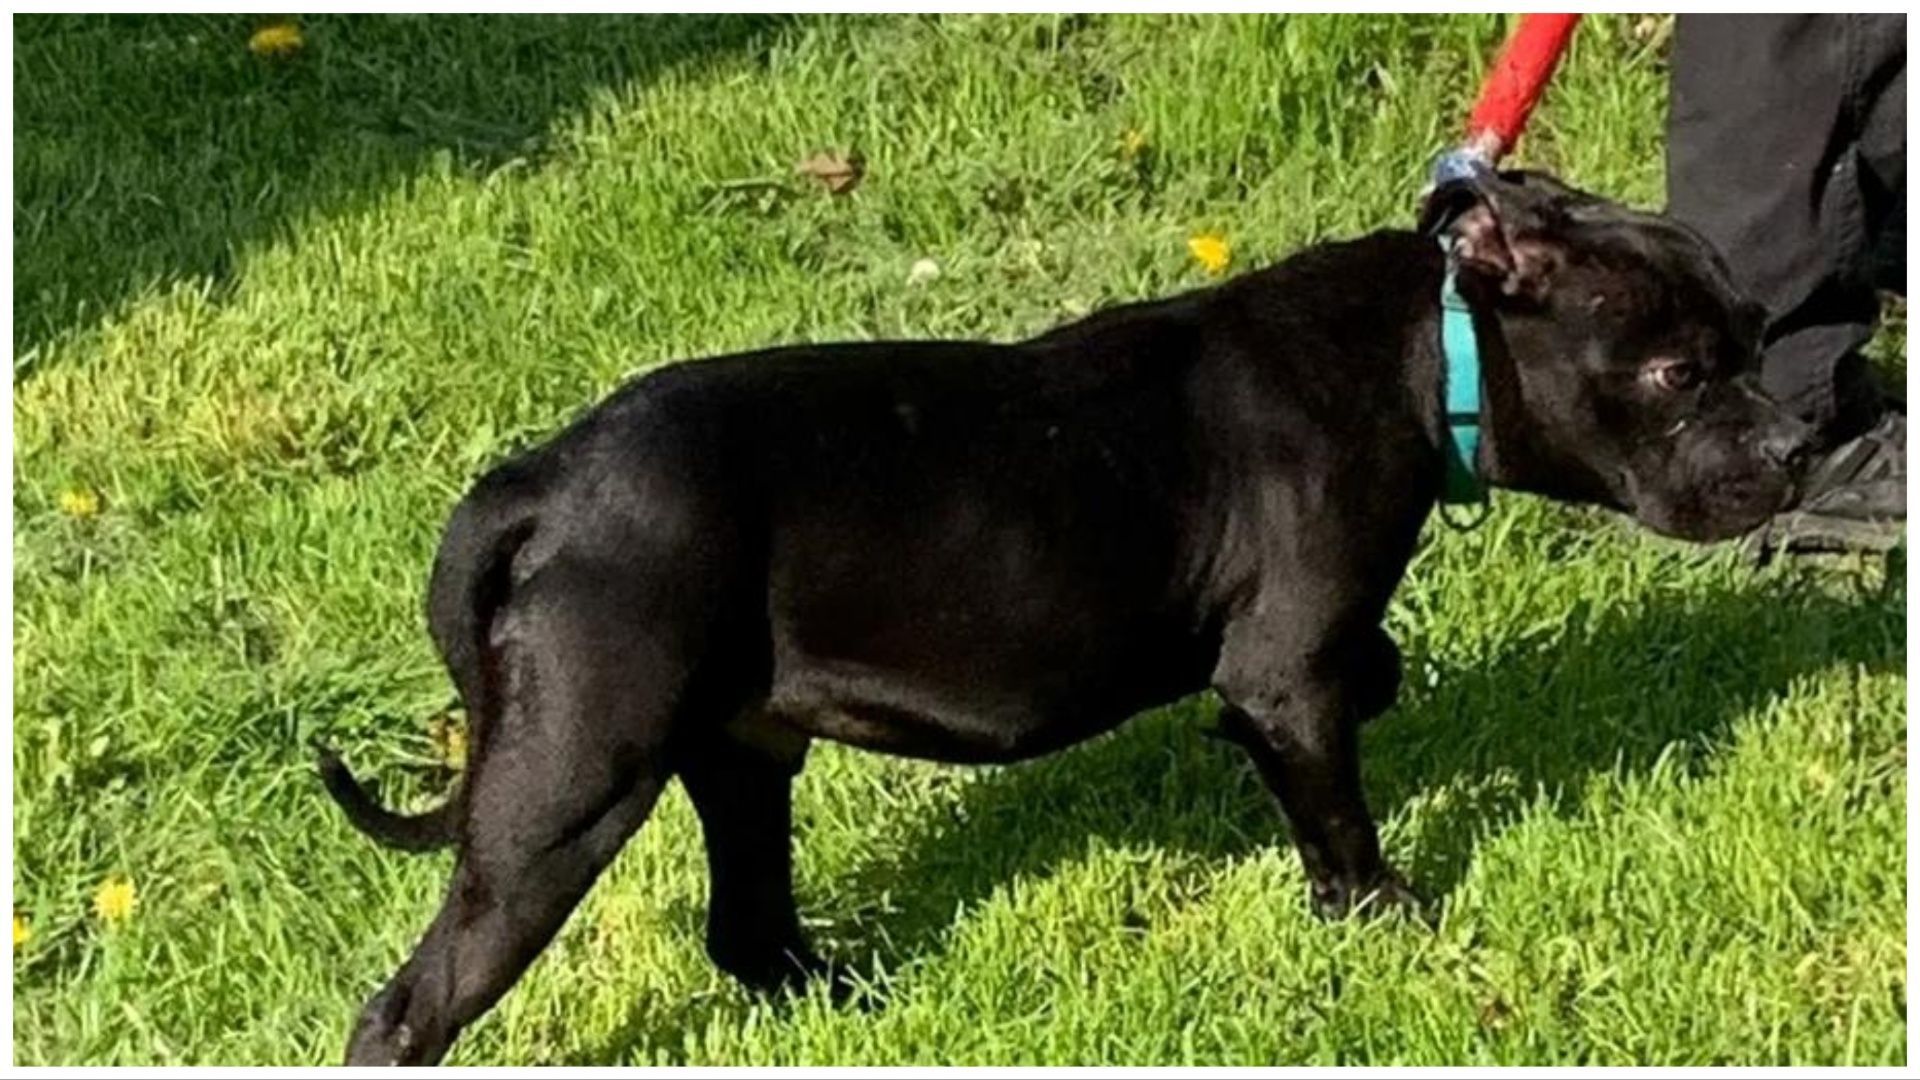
[
  {"x": 1132, "y": 144},
  {"x": 79, "y": 503},
  {"x": 276, "y": 40},
  {"x": 115, "y": 900},
  {"x": 22, "y": 932},
  {"x": 1212, "y": 252}
]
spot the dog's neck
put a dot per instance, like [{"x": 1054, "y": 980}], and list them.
[
  {"x": 1513, "y": 452},
  {"x": 1510, "y": 456},
  {"x": 1501, "y": 432}
]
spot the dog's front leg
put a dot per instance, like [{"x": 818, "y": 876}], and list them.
[{"x": 1299, "y": 721}]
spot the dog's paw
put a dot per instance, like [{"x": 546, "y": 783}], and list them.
[
  {"x": 382, "y": 1036},
  {"x": 796, "y": 971},
  {"x": 1385, "y": 894},
  {"x": 767, "y": 968}
]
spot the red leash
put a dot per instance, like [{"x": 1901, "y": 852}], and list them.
[{"x": 1519, "y": 77}]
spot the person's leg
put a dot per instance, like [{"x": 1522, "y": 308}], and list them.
[
  {"x": 1765, "y": 158},
  {"x": 1787, "y": 151},
  {"x": 1883, "y": 144}
]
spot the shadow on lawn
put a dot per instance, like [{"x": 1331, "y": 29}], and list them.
[
  {"x": 153, "y": 149},
  {"x": 1616, "y": 690}
]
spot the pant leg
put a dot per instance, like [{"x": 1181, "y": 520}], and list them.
[
  {"x": 1768, "y": 158},
  {"x": 1883, "y": 146}
]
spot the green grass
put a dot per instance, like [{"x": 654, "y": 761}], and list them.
[{"x": 279, "y": 314}]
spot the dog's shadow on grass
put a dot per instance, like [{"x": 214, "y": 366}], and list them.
[
  {"x": 1610, "y": 690},
  {"x": 153, "y": 149}
]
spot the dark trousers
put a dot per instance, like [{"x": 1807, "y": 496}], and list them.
[{"x": 1786, "y": 148}]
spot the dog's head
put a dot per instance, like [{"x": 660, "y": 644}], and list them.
[{"x": 1620, "y": 360}]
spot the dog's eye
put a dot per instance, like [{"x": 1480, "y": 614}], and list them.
[{"x": 1673, "y": 376}]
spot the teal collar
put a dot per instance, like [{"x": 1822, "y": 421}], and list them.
[{"x": 1461, "y": 348}]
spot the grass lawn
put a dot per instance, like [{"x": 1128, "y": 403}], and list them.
[{"x": 274, "y": 314}]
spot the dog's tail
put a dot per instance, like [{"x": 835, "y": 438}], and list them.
[{"x": 471, "y": 577}]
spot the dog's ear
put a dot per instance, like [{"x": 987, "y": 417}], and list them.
[{"x": 1501, "y": 229}]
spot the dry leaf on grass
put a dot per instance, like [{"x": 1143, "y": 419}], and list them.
[{"x": 840, "y": 173}]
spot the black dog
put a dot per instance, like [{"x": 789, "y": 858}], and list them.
[{"x": 982, "y": 553}]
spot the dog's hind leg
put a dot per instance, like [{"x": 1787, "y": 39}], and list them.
[
  {"x": 564, "y": 772},
  {"x": 744, "y": 797}
]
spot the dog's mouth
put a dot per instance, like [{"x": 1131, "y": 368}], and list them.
[{"x": 1721, "y": 507}]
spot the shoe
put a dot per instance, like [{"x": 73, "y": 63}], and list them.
[{"x": 1854, "y": 498}]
